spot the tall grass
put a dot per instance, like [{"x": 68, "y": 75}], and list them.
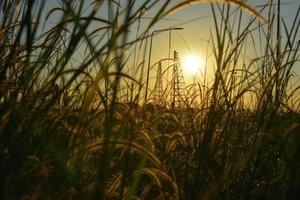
[{"x": 67, "y": 133}]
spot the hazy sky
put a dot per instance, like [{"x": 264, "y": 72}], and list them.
[{"x": 197, "y": 22}]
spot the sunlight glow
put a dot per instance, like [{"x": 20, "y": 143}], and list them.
[{"x": 192, "y": 64}]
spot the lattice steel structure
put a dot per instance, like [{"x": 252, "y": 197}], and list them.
[
  {"x": 158, "y": 88},
  {"x": 194, "y": 92},
  {"x": 178, "y": 84}
]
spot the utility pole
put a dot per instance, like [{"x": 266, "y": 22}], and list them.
[
  {"x": 278, "y": 29},
  {"x": 278, "y": 52}
]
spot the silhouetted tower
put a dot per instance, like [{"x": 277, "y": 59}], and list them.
[
  {"x": 178, "y": 94},
  {"x": 158, "y": 88},
  {"x": 194, "y": 92}
]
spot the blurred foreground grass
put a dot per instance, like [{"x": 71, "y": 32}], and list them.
[{"x": 66, "y": 133}]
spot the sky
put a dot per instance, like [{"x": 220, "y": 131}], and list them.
[{"x": 197, "y": 24}]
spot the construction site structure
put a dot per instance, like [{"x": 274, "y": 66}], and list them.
[
  {"x": 178, "y": 84},
  {"x": 158, "y": 88}
]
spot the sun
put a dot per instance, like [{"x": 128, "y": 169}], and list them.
[{"x": 192, "y": 64}]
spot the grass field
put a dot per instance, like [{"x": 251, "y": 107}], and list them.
[{"x": 68, "y": 132}]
